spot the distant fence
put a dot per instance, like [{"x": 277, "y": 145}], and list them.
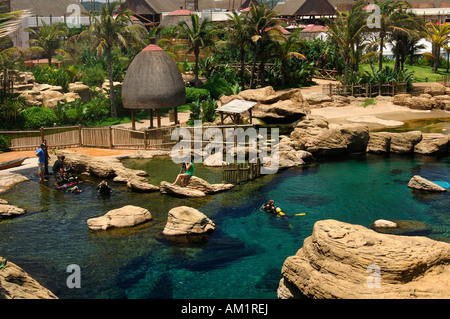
[
  {"x": 108, "y": 137},
  {"x": 238, "y": 173},
  {"x": 364, "y": 90},
  {"x": 326, "y": 74}
]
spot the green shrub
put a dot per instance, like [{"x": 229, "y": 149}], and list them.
[
  {"x": 217, "y": 87},
  {"x": 11, "y": 111},
  {"x": 35, "y": 117},
  {"x": 4, "y": 143},
  {"x": 93, "y": 76},
  {"x": 194, "y": 94}
]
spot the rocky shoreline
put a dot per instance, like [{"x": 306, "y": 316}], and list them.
[{"x": 334, "y": 260}]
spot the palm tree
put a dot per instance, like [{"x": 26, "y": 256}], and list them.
[
  {"x": 393, "y": 17},
  {"x": 199, "y": 36},
  {"x": 113, "y": 28},
  {"x": 345, "y": 31},
  {"x": 11, "y": 21},
  {"x": 238, "y": 36},
  {"x": 48, "y": 40},
  {"x": 262, "y": 26},
  {"x": 286, "y": 50},
  {"x": 438, "y": 35}
]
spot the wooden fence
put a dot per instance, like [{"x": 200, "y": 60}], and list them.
[
  {"x": 238, "y": 173},
  {"x": 109, "y": 137},
  {"x": 364, "y": 90}
]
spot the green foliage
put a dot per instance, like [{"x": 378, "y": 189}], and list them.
[
  {"x": 217, "y": 87},
  {"x": 94, "y": 75},
  {"x": 193, "y": 94},
  {"x": 202, "y": 110},
  {"x": 10, "y": 111},
  {"x": 5, "y": 142},
  {"x": 35, "y": 117},
  {"x": 3, "y": 264},
  {"x": 62, "y": 76}
]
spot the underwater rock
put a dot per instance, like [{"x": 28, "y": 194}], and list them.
[
  {"x": 8, "y": 180},
  {"x": 345, "y": 261},
  {"x": 17, "y": 284},
  {"x": 126, "y": 216},
  {"x": 141, "y": 186},
  {"x": 185, "y": 220},
  {"x": 420, "y": 183},
  {"x": 403, "y": 227}
]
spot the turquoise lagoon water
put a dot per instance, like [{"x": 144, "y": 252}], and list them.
[{"x": 243, "y": 257}]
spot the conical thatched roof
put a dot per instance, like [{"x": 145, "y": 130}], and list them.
[
  {"x": 153, "y": 80},
  {"x": 173, "y": 19}
]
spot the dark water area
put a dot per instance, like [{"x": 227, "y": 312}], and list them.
[{"x": 243, "y": 257}]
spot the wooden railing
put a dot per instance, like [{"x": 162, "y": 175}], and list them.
[
  {"x": 107, "y": 137},
  {"x": 364, "y": 90},
  {"x": 238, "y": 173}
]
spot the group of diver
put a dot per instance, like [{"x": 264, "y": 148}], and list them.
[{"x": 66, "y": 178}]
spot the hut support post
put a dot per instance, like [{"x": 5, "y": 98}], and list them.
[
  {"x": 175, "y": 115},
  {"x": 158, "y": 114},
  {"x": 133, "y": 121},
  {"x": 151, "y": 118}
]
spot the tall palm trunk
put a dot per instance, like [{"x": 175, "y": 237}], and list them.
[
  {"x": 380, "y": 56},
  {"x": 112, "y": 92},
  {"x": 254, "y": 65},
  {"x": 196, "y": 53},
  {"x": 242, "y": 59}
]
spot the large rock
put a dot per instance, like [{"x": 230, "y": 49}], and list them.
[
  {"x": 83, "y": 91},
  {"x": 141, "y": 186},
  {"x": 7, "y": 211},
  {"x": 403, "y": 143},
  {"x": 420, "y": 183},
  {"x": 185, "y": 220},
  {"x": 17, "y": 284},
  {"x": 315, "y": 135},
  {"x": 200, "y": 184},
  {"x": 178, "y": 191},
  {"x": 432, "y": 143},
  {"x": 379, "y": 142},
  {"x": 126, "y": 216},
  {"x": 341, "y": 260}
]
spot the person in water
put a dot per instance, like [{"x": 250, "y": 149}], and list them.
[
  {"x": 103, "y": 188},
  {"x": 184, "y": 177},
  {"x": 58, "y": 170},
  {"x": 272, "y": 209},
  {"x": 40, "y": 153}
]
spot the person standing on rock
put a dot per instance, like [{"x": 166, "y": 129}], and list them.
[
  {"x": 184, "y": 177},
  {"x": 41, "y": 163}
]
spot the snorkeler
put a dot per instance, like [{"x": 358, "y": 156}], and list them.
[
  {"x": 103, "y": 188},
  {"x": 272, "y": 209}
]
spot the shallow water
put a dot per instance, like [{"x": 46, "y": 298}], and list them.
[
  {"x": 440, "y": 125},
  {"x": 243, "y": 257}
]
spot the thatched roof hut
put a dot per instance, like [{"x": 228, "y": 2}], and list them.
[
  {"x": 153, "y": 81},
  {"x": 173, "y": 19}
]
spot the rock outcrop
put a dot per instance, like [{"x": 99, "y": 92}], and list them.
[
  {"x": 127, "y": 216},
  {"x": 341, "y": 260},
  {"x": 420, "y": 183},
  {"x": 185, "y": 220},
  {"x": 8, "y": 180},
  {"x": 15, "y": 283},
  {"x": 109, "y": 168},
  {"x": 316, "y": 136},
  {"x": 432, "y": 144},
  {"x": 273, "y": 106},
  {"x": 178, "y": 191},
  {"x": 7, "y": 211}
]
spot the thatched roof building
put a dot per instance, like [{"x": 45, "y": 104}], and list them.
[
  {"x": 153, "y": 81},
  {"x": 305, "y": 8},
  {"x": 45, "y": 8}
]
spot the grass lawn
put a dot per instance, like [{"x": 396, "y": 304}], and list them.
[{"x": 420, "y": 72}]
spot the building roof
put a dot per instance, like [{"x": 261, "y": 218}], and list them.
[
  {"x": 305, "y": 8},
  {"x": 56, "y": 8},
  {"x": 315, "y": 28},
  {"x": 143, "y": 7},
  {"x": 236, "y": 106},
  {"x": 180, "y": 12}
]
